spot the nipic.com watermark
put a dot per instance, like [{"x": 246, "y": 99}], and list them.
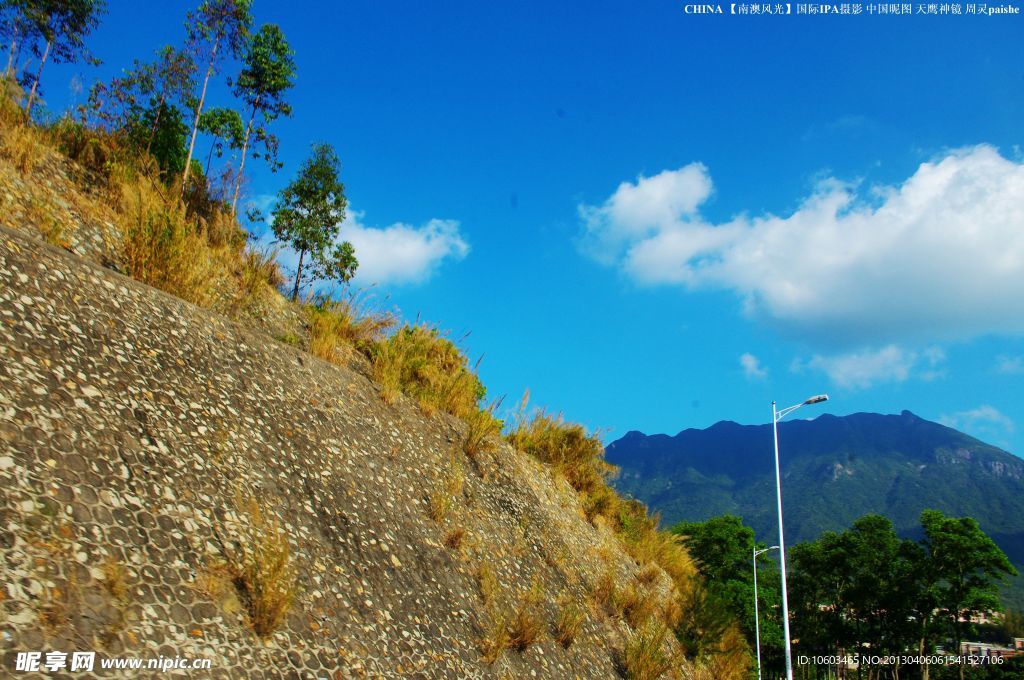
[{"x": 73, "y": 662}]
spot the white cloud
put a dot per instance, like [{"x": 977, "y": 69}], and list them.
[
  {"x": 985, "y": 418},
  {"x": 402, "y": 253},
  {"x": 396, "y": 254},
  {"x": 862, "y": 369},
  {"x": 940, "y": 256},
  {"x": 1010, "y": 365},
  {"x": 752, "y": 366}
]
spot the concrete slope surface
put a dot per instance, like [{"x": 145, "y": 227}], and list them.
[{"x": 151, "y": 451}]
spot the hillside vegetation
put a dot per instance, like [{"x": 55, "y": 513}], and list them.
[
  {"x": 193, "y": 479},
  {"x": 835, "y": 470}
]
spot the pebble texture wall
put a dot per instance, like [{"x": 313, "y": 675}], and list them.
[{"x": 141, "y": 441}]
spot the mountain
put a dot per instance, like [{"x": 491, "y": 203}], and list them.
[{"x": 834, "y": 470}]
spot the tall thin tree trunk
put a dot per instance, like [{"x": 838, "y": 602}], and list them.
[
  {"x": 920, "y": 652},
  {"x": 245, "y": 148},
  {"x": 35, "y": 83},
  {"x": 10, "y": 53},
  {"x": 199, "y": 112},
  {"x": 209, "y": 158},
  {"x": 156, "y": 122},
  {"x": 298, "y": 276}
]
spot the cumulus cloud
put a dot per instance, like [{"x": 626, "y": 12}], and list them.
[
  {"x": 399, "y": 253},
  {"x": 940, "y": 256},
  {"x": 402, "y": 253},
  {"x": 862, "y": 369},
  {"x": 752, "y": 366}
]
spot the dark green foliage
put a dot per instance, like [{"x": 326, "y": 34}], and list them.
[
  {"x": 708, "y": 615},
  {"x": 162, "y": 128},
  {"x": 308, "y": 217},
  {"x": 867, "y": 591},
  {"x": 723, "y": 548},
  {"x": 267, "y": 75},
  {"x": 226, "y": 127},
  {"x": 835, "y": 469},
  {"x": 964, "y": 567},
  {"x": 218, "y": 29}
]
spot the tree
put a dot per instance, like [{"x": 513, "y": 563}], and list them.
[
  {"x": 61, "y": 25},
  {"x": 268, "y": 73},
  {"x": 217, "y": 29},
  {"x": 163, "y": 128},
  {"x": 966, "y": 567},
  {"x": 308, "y": 217},
  {"x": 12, "y": 25},
  {"x": 723, "y": 548},
  {"x": 225, "y": 126},
  {"x": 170, "y": 78},
  {"x": 157, "y": 86}
]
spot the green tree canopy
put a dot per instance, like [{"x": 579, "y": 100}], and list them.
[
  {"x": 723, "y": 548},
  {"x": 226, "y": 128},
  {"x": 308, "y": 217},
  {"x": 216, "y": 30},
  {"x": 268, "y": 73},
  {"x": 965, "y": 569},
  {"x": 55, "y": 29}
]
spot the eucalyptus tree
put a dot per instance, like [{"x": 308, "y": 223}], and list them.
[
  {"x": 268, "y": 73},
  {"x": 226, "y": 128},
  {"x": 308, "y": 217},
  {"x": 61, "y": 27},
  {"x": 12, "y": 26},
  {"x": 171, "y": 77},
  {"x": 216, "y": 30}
]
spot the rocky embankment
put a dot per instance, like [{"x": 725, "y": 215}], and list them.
[{"x": 150, "y": 449}]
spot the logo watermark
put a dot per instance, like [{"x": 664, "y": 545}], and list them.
[{"x": 56, "y": 661}]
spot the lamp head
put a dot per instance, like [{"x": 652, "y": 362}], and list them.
[{"x": 817, "y": 399}]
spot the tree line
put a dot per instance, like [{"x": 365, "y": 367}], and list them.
[
  {"x": 863, "y": 591},
  {"x": 159, "y": 108}
]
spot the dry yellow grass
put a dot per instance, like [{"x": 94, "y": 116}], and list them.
[
  {"x": 482, "y": 428},
  {"x": 23, "y": 146},
  {"x": 644, "y": 656},
  {"x": 424, "y": 364},
  {"x": 487, "y": 583},
  {"x": 336, "y": 327},
  {"x": 447, "y": 490},
  {"x": 264, "y": 573},
  {"x": 160, "y": 246},
  {"x": 569, "y": 623}
]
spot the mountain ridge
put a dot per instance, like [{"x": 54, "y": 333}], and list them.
[{"x": 834, "y": 468}]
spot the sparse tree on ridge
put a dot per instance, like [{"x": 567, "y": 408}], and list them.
[
  {"x": 12, "y": 25},
  {"x": 219, "y": 28},
  {"x": 61, "y": 27},
  {"x": 308, "y": 217},
  {"x": 267, "y": 75},
  {"x": 170, "y": 78}
]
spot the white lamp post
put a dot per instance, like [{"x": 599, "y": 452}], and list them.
[
  {"x": 757, "y": 618},
  {"x": 776, "y": 417}
]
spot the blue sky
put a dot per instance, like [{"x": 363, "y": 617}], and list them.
[{"x": 657, "y": 221}]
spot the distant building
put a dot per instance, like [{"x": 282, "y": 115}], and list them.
[{"x": 987, "y": 649}]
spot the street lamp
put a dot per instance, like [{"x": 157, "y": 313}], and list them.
[
  {"x": 757, "y": 619},
  {"x": 776, "y": 417}
]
